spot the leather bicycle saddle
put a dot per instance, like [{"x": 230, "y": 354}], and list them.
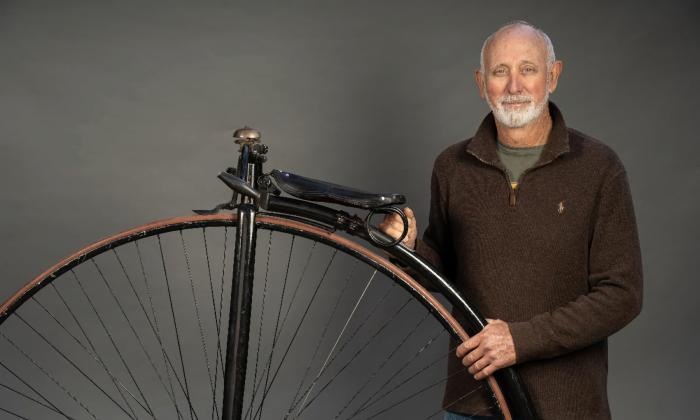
[{"x": 315, "y": 190}]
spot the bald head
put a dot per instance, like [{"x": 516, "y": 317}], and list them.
[{"x": 521, "y": 29}]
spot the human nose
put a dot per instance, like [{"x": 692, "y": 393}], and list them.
[{"x": 514, "y": 85}]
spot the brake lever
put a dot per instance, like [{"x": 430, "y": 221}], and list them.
[{"x": 215, "y": 210}]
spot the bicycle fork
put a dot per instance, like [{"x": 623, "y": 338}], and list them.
[
  {"x": 250, "y": 163},
  {"x": 239, "y": 314}
]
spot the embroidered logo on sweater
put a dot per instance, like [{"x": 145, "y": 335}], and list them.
[{"x": 560, "y": 209}]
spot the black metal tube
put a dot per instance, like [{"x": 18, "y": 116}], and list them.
[
  {"x": 306, "y": 209},
  {"x": 243, "y": 162},
  {"x": 239, "y": 314}
]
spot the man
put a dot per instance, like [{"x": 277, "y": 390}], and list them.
[{"x": 534, "y": 223}]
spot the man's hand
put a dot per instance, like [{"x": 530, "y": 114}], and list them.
[
  {"x": 489, "y": 350},
  {"x": 392, "y": 225}
]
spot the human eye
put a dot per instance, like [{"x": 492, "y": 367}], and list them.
[
  {"x": 529, "y": 70},
  {"x": 499, "y": 71}
]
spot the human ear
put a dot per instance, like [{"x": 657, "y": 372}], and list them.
[
  {"x": 479, "y": 79},
  {"x": 554, "y": 73}
]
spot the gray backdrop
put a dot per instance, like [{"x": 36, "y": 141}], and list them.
[{"x": 114, "y": 113}]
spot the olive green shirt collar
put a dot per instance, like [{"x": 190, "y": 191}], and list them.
[{"x": 483, "y": 144}]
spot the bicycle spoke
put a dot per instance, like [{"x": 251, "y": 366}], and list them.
[
  {"x": 12, "y": 413},
  {"x": 376, "y": 306},
  {"x": 48, "y": 375},
  {"x": 468, "y": 394},
  {"x": 296, "y": 331},
  {"x": 268, "y": 365},
  {"x": 34, "y": 400},
  {"x": 296, "y": 289},
  {"x": 75, "y": 366},
  {"x": 368, "y": 402},
  {"x": 223, "y": 274},
  {"x": 262, "y": 315},
  {"x": 171, "y": 394},
  {"x": 335, "y": 307},
  {"x": 156, "y": 331},
  {"x": 219, "y": 363},
  {"x": 118, "y": 385},
  {"x": 279, "y": 313},
  {"x": 131, "y": 327},
  {"x": 215, "y": 408},
  {"x": 335, "y": 344},
  {"x": 371, "y": 313},
  {"x": 354, "y": 357},
  {"x": 383, "y": 363},
  {"x": 420, "y": 391},
  {"x": 199, "y": 318},
  {"x": 19, "y": 378},
  {"x": 104, "y": 327},
  {"x": 284, "y": 320},
  {"x": 177, "y": 333}
]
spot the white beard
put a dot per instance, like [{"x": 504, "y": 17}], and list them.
[{"x": 517, "y": 118}]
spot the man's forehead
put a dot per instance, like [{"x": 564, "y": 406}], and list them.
[{"x": 516, "y": 44}]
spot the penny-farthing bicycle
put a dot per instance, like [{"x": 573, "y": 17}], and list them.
[{"x": 266, "y": 307}]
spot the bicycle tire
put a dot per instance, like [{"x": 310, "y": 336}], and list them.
[{"x": 130, "y": 400}]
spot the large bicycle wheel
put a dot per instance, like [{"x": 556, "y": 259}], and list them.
[{"x": 134, "y": 326}]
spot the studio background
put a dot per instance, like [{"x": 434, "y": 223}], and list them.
[{"x": 115, "y": 113}]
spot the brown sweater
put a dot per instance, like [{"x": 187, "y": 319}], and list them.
[{"x": 558, "y": 259}]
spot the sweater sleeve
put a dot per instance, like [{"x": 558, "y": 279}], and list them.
[
  {"x": 615, "y": 284},
  {"x": 436, "y": 246}
]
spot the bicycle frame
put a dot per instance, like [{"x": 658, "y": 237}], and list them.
[{"x": 256, "y": 193}]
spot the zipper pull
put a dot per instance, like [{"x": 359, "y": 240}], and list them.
[{"x": 512, "y": 196}]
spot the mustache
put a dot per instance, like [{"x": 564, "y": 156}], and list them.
[{"x": 508, "y": 99}]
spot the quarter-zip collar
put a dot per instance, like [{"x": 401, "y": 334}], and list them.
[{"x": 483, "y": 144}]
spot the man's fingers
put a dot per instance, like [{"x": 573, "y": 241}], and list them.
[
  {"x": 411, "y": 218},
  {"x": 483, "y": 366},
  {"x": 472, "y": 357},
  {"x": 478, "y": 366},
  {"x": 485, "y": 372},
  {"x": 395, "y": 221},
  {"x": 392, "y": 218},
  {"x": 393, "y": 232},
  {"x": 468, "y": 346},
  {"x": 392, "y": 225}
]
